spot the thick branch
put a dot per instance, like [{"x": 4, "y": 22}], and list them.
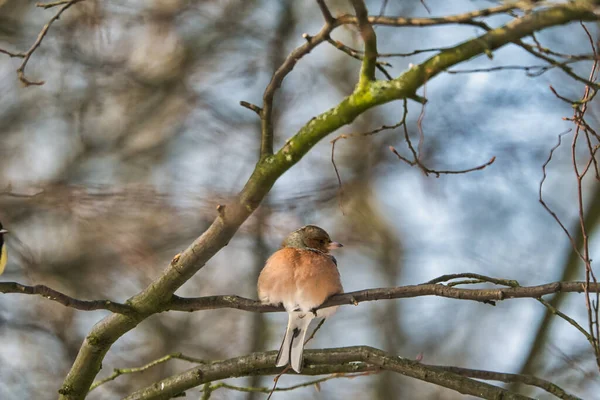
[
  {"x": 367, "y": 71},
  {"x": 318, "y": 362},
  {"x": 270, "y": 168},
  {"x": 482, "y": 295}
]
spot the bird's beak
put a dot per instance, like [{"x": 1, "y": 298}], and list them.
[
  {"x": 3, "y": 231},
  {"x": 334, "y": 245}
]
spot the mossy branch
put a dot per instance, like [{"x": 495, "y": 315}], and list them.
[
  {"x": 348, "y": 360},
  {"x": 369, "y": 61}
]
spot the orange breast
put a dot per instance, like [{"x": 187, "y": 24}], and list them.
[{"x": 298, "y": 278}]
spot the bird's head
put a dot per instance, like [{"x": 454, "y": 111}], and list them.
[{"x": 311, "y": 237}]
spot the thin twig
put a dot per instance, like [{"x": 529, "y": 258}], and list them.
[
  {"x": 286, "y": 67},
  {"x": 541, "y": 198},
  {"x": 27, "y": 55},
  {"x": 411, "y": 53},
  {"x": 315, "y": 331},
  {"x": 290, "y": 388},
  {"x": 465, "y": 18},
  {"x": 564, "y": 67},
  {"x": 478, "y": 278},
  {"x": 592, "y": 308},
  {"x": 380, "y": 65},
  {"x": 251, "y": 107},
  {"x": 437, "y": 172},
  {"x": 123, "y": 371},
  {"x": 52, "y": 4},
  {"x": 530, "y": 70},
  {"x": 68, "y": 301},
  {"x": 351, "y": 135},
  {"x": 570, "y": 320},
  {"x": 420, "y": 124},
  {"x": 276, "y": 380}
]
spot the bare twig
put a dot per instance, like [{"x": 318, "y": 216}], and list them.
[
  {"x": 52, "y": 4},
  {"x": 27, "y": 55},
  {"x": 592, "y": 307},
  {"x": 312, "y": 335},
  {"x": 54, "y": 295},
  {"x": 437, "y": 172},
  {"x": 286, "y": 67},
  {"x": 380, "y": 65},
  {"x": 350, "y": 135},
  {"x": 411, "y": 53},
  {"x": 276, "y": 380},
  {"x": 470, "y": 275},
  {"x": 251, "y": 107},
  {"x": 465, "y": 18},
  {"x": 546, "y": 50},
  {"x": 477, "y": 278},
  {"x": 563, "y": 66},
  {"x": 294, "y": 387},
  {"x": 580, "y": 108},
  {"x": 530, "y": 70},
  {"x": 420, "y": 124},
  {"x": 123, "y": 371},
  {"x": 570, "y": 320},
  {"x": 541, "y": 198}
]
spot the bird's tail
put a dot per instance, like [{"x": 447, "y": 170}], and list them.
[{"x": 293, "y": 343}]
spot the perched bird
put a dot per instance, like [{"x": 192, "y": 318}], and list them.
[
  {"x": 301, "y": 276},
  {"x": 3, "y": 253}
]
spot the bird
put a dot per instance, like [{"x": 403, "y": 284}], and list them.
[
  {"x": 3, "y": 253},
  {"x": 301, "y": 275}
]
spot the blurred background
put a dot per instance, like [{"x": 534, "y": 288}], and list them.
[{"x": 117, "y": 163}]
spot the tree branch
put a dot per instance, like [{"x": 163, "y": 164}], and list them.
[
  {"x": 369, "y": 62},
  {"x": 266, "y": 147},
  {"x": 54, "y": 295},
  {"x": 319, "y": 362},
  {"x": 465, "y": 18},
  {"x": 27, "y": 55},
  {"x": 270, "y": 168},
  {"x": 353, "y": 298},
  {"x": 190, "y": 304},
  {"x": 510, "y": 378}
]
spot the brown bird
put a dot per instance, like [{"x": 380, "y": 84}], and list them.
[{"x": 301, "y": 276}]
